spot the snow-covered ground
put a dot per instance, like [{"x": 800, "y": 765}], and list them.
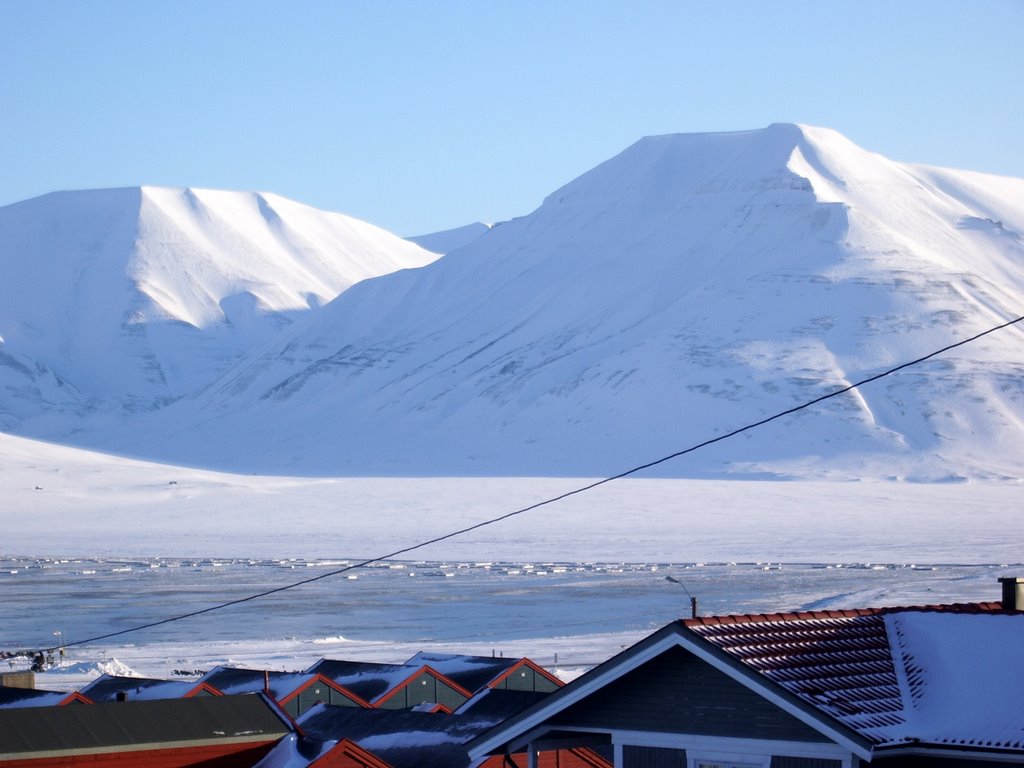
[
  {"x": 166, "y": 540},
  {"x": 65, "y": 502}
]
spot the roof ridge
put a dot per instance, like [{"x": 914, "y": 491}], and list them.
[{"x": 839, "y": 613}]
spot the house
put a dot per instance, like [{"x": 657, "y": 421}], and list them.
[
  {"x": 474, "y": 673},
  {"x": 915, "y": 686},
  {"x": 393, "y": 686},
  {"x": 214, "y": 731},
  {"x": 295, "y": 692},
  {"x": 332, "y": 737},
  {"x": 23, "y": 678}
]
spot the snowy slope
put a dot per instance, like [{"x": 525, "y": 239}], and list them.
[
  {"x": 143, "y": 294},
  {"x": 449, "y": 240},
  {"x": 683, "y": 288}
]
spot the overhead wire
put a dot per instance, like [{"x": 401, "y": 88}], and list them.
[{"x": 546, "y": 502}]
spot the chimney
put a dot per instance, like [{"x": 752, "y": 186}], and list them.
[{"x": 1013, "y": 593}]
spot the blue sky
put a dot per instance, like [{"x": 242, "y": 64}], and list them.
[{"x": 419, "y": 116}]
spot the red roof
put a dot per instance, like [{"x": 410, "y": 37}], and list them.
[{"x": 839, "y": 661}]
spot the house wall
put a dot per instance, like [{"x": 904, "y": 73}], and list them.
[
  {"x": 527, "y": 679},
  {"x": 26, "y": 679},
  {"x": 315, "y": 694},
  {"x": 662, "y": 757},
  {"x": 677, "y": 693},
  {"x": 424, "y": 687}
]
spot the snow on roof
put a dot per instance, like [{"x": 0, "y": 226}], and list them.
[
  {"x": 933, "y": 675},
  {"x": 471, "y": 672},
  {"x": 290, "y": 753},
  {"x": 366, "y": 679},
  {"x": 238, "y": 680},
  {"x": 14, "y": 698},
  {"x": 962, "y": 676},
  {"x": 400, "y": 737},
  {"x": 106, "y": 687}
]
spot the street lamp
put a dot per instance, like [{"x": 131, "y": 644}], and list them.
[
  {"x": 60, "y": 646},
  {"x": 693, "y": 600}
]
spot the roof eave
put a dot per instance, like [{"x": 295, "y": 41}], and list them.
[{"x": 931, "y": 749}]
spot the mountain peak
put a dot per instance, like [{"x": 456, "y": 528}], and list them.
[
  {"x": 147, "y": 292},
  {"x": 674, "y": 166}
]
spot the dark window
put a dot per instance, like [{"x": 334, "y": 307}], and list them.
[{"x": 652, "y": 757}]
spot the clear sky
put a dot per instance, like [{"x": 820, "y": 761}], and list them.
[{"x": 420, "y": 116}]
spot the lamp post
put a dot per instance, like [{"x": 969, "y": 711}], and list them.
[
  {"x": 60, "y": 646},
  {"x": 693, "y": 600}
]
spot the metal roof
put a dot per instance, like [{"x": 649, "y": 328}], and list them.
[
  {"x": 844, "y": 663},
  {"x": 139, "y": 725},
  {"x": 840, "y": 665}
]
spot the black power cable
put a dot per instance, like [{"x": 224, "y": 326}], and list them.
[{"x": 552, "y": 500}]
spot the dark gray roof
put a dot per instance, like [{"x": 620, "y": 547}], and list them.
[
  {"x": 367, "y": 680},
  {"x": 403, "y": 738},
  {"x": 107, "y": 687},
  {"x": 471, "y": 672},
  {"x": 238, "y": 680},
  {"x": 205, "y": 720},
  {"x": 498, "y": 705}
]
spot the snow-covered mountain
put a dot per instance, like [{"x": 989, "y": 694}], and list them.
[
  {"x": 681, "y": 289},
  {"x": 137, "y": 296}
]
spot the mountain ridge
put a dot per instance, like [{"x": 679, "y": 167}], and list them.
[{"x": 688, "y": 285}]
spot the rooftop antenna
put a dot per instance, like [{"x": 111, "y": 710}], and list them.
[{"x": 693, "y": 600}]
